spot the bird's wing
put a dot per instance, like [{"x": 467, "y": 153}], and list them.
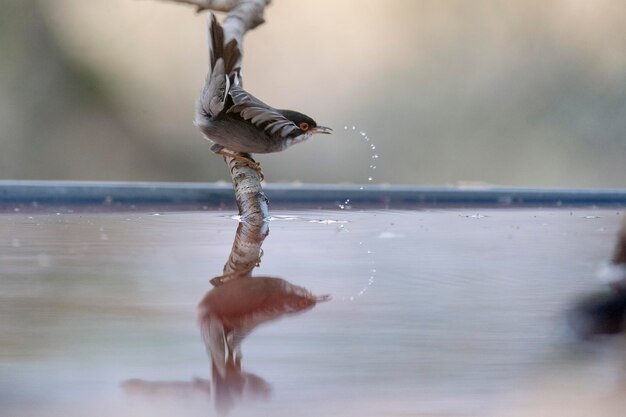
[{"x": 260, "y": 114}]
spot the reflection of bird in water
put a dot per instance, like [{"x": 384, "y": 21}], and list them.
[{"x": 230, "y": 312}]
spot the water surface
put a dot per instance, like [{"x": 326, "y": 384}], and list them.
[{"x": 451, "y": 312}]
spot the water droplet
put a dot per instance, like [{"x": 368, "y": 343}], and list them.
[
  {"x": 156, "y": 214},
  {"x": 373, "y": 147},
  {"x": 360, "y": 188},
  {"x": 369, "y": 251},
  {"x": 373, "y": 166},
  {"x": 351, "y": 298},
  {"x": 345, "y": 128},
  {"x": 353, "y": 127},
  {"x": 375, "y": 156},
  {"x": 369, "y": 178}
]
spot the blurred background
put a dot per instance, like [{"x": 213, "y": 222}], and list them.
[{"x": 522, "y": 93}]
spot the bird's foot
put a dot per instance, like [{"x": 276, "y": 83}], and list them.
[{"x": 246, "y": 160}]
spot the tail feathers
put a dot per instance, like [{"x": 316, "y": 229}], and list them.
[
  {"x": 230, "y": 52},
  {"x": 216, "y": 38},
  {"x": 232, "y": 55}
]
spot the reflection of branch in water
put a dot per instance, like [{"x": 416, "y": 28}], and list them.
[{"x": 246, "y": 252}]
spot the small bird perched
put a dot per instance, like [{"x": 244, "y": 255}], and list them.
[{"x": 236, "y": 121}]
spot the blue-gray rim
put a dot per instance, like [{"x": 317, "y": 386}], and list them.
[{"x": 82, "y": 193}]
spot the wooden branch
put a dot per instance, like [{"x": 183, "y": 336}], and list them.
[
  {"x": 246, "y": 15},
  {"x": 217, "y": 5},
  {"x": 252, "y": 203}
]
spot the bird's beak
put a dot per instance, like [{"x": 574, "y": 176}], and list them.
[
  {"x": 322, "y": 129},
  {"x": 321, "y": 298}
]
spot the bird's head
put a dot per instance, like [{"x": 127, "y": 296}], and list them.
[{"x": 306, "y": 125}]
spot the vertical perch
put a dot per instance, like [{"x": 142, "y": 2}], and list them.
[{"x": 251, "y": 201}]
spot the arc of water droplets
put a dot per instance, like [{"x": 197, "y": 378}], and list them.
[{"x": 346, "y": 206}]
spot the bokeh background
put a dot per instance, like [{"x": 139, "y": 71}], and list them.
[{"x": 522, "y": 93}]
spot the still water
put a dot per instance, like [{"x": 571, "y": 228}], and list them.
[{"x": 450, "y": 312}]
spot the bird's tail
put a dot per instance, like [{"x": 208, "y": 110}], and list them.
[
  {"x": 229, "y": 52},
  {"x": 224, "y": 72}
]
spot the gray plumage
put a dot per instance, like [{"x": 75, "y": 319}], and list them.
[{"x": 234, "y": 119}]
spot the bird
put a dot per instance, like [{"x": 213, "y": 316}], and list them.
[{"x": 236, "y": 121}]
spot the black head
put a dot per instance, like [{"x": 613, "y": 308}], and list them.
[{"x": 305, "y": 123}]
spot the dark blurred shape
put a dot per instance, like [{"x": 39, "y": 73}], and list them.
[
  {"x": 619, "y": 256},
  {"x": 603, "y": 313},
  {"x": 598, "y": 315}
]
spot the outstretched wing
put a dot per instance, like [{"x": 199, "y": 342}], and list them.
[{"x": 260, "y": 114}]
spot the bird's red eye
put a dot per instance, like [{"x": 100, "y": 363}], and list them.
[{"x": 304, "y": 126}]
